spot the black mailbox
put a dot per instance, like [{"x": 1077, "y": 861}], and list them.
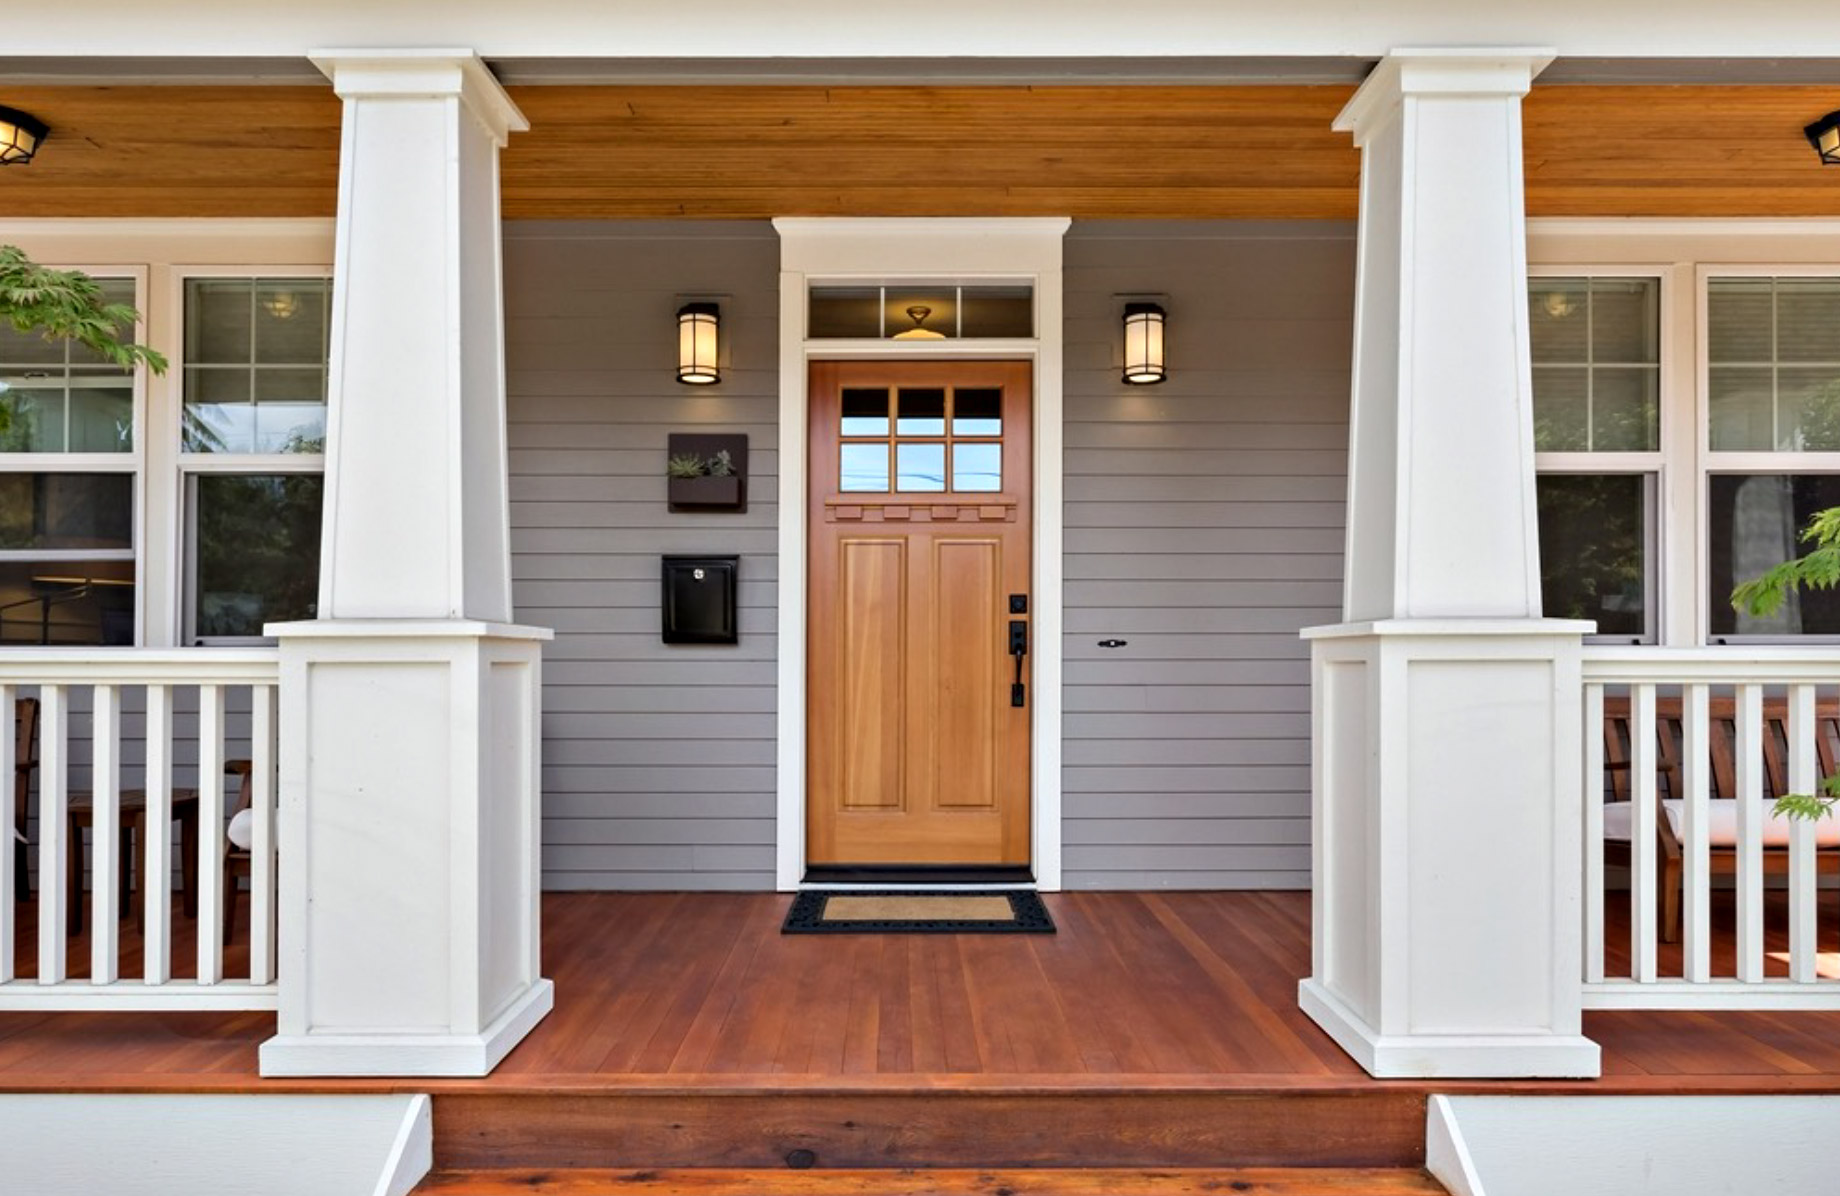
[{"x": 699, "y": 599}]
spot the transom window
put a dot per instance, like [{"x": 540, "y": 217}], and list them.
[
  {"x": 916, "y": 440},
  {"x": 921, "y": 312}
]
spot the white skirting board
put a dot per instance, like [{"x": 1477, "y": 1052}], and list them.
[
  {"x": 81, "y": 1145},
  {"x": 1632, "y": 1145}
]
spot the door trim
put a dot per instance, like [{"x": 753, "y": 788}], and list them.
[{"x": 913, "y": 250}]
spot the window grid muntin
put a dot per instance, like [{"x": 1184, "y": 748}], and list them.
[
  {"x": 894, "y": 439},
  {"x": 321, "y": 287}
]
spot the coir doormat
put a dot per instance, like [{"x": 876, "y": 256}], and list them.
[{"x": 894, "y": 912}]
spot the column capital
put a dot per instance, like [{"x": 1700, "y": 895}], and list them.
[
  {"x": 1440, "y": 70},
  {"x": 399, "y": 74}
]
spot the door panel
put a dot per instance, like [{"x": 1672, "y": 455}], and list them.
[{"x": 920, "y": 529}]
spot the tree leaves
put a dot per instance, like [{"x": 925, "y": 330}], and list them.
[
  {"x": 1817, "y": 570},
  {"x": 69, "y": 305}
]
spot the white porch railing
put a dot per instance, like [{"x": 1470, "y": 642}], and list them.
[
  {"x": 1753, "y": 722},
  {"x": 137, "y": 709}
]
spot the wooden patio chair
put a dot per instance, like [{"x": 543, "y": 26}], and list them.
[
  {"x": 25, "y": 762},
  {"x": 238, "y": 860},
  {"x": 1722, "y": 823}
]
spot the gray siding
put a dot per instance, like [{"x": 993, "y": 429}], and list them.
[
  {"x": 657, "y": 760},
  {"x": 1204, "y": 527}
]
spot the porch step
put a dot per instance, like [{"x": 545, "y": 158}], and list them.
[{"x": 1257, "y": 1181}]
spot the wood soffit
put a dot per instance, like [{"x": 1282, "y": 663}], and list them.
[{"x": 1252, "y": 152}]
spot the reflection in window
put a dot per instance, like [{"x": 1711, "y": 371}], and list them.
[
  {"x": 1773, "y": 369},
  {"x": 1596, "y": 347},
  {"x": 60, "y": 397},
  {"x": 257, "y": 545},
  {"x": 63, "y": 512},
  {"x": 977, "y": 467},
  {"x": 1595, "y": 540},
  {"x": 70, "y": 602},
  {"x": 1754, "y": 522},
  {"x": 921, "y": 413},
  {"x": 864, "y": 467},
  {"x": 255, "y": 365},
  {"x": 865, "y": 412},
  {"x": 920, "y": 467},
  {"x": 977, "y": 411}
]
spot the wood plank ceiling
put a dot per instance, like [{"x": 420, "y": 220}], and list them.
[{"x": 1116, "y": 152}]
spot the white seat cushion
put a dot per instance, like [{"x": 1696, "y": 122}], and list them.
[
  {"x": 1722, "y": 823},
  {"x": 242, "y": 828}
]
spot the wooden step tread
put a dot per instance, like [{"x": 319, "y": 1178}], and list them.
[{"x": 1256, "y": 1181}]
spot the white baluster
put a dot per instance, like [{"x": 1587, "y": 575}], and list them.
[
  {"x": 1593, "y": 834},
  {"x": 105, "y": 835},
  {"x": 8, "y": 740},
  {"x": 156, "y": 852},
  {"x": 53, "y": 790},
  {"x": 1696, "y": 843},
  {"x": 1642, "y": 833},
  {"x": 1750, "y": 833},
  {"x": 1804, "y": 777},
  {"x": 262, "y": 841},
  {"x": 210, "y": 833}
]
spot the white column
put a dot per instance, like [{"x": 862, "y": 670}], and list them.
[
  {"x": 409, "y": 709},
  {"x": 1447, "y": 713}
]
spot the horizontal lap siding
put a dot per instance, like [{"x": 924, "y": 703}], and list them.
[
  {"x": 658, "y": 760},
  {"x": 1204, "y": 527}
]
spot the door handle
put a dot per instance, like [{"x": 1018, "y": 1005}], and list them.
[{"x": 1018, "y": 648}]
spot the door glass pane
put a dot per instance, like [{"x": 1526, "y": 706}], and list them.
[
  {"x": 258, "y": 551},
  {"x": 1624, "y": 410},
  {"x": 977, "y": 467},
  {"x": 77, "y": 603},
  {"x": 1561, "y": 409},
  {"x": 921, "y": 413},
  {"x": 865, "y": 412},
  {"x": 977, "y": 411},
  {"x": 65, "y": 511},
  {"x": 1594, "y": 550},
  {"x": 1754, "y": 522},
  {"x": 920, "y": 467},
  {"x": 864, "y": 467}
]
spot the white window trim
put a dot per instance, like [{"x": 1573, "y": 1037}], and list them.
[
  {"x": 160, "y": 254},
  {"x": 1684, "y": 254}
]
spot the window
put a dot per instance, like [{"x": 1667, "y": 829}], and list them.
[
  {"x": 1597, "y": 435},
  {"x": 252, "y": 436},
  {"x": 1772, "y": 441},
  {"x": 921, "y": 311},
  {"x": 68, "y": 473}
]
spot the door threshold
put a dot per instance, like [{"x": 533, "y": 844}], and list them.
[{"x": 918, "y": 876}]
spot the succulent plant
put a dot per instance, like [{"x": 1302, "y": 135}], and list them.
[
  {"x": 721, "y": 465},
  {"x": 685, "y": 465}
]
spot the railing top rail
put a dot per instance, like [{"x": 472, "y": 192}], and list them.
[
  {"x": 1758, "y": 664},
  {"x": 138, "y": 666}
]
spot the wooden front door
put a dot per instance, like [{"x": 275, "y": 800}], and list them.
[{"x": 918, "y": 747}]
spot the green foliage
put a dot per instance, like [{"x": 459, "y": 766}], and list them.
[
  {"x": 68, "y": 305},
  {"x": 685, "y": 465},
  {"x": 1817, "y": 570},
  {"x": 1809, "y": 805}
]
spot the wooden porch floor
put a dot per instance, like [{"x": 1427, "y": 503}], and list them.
[{"x": 700, "y": 992}]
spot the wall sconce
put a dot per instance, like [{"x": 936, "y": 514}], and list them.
[
  {"x": 1143, "y": 344},
  {"x": 696, "y": 344},
  {"x": 1824, "y": 135},
  {"x": 20, "y": 136}
]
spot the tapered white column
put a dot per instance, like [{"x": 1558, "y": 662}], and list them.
[
  {"x": 1447, "y": 712},
  {"x": 409, "y": 709}
]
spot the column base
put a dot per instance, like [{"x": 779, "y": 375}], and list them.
[
  {"x": 1449, "y": 1056},
  {"x": 407, "y": 1053}
]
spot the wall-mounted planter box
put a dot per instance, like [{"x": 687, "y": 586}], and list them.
[{"x": 709, "y": 492}]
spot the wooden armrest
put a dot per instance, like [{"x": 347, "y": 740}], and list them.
[{"x": 239, "y": 767}]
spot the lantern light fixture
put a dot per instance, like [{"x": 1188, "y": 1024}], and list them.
[
  {"x": 1143, "y": 344},
  {"x": 697, "y": 326},
  {"x": 20, "y": 136},
  {"x": 1824, "y": 135}
]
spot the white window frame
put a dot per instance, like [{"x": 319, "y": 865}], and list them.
[
  {"x": 1709, "y": 462},
  {"x": 160, "y": 254},
  {"x": 133, "y": 462},
  {"x": 1685, "y": 254},
  {"x": 189, "y": 465},
  {"x": 1660, "y": 499}
]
